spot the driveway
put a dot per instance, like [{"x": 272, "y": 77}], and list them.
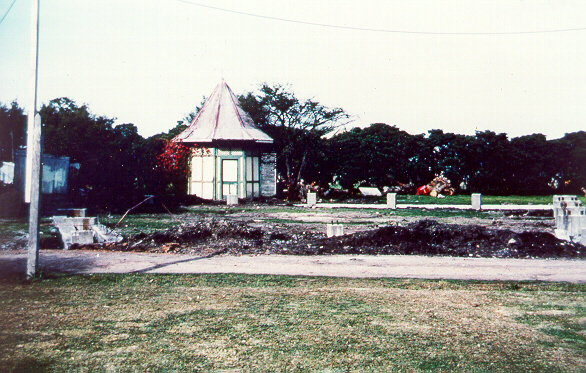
[{"x": 13, "y": 265}]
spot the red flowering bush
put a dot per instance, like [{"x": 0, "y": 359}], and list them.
[
  {"x": 173, "y": 165},
  {"x": 174, "y": 158}
]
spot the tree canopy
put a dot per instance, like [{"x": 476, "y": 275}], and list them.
[
  {"x": 297, "y": 127},
  {"x": 118, "y": 167},
  {"x": 12, "y": 130}
]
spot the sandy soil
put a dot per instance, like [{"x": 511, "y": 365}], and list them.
[{"x": 13, "y": 265}]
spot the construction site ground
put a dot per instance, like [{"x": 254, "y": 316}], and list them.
[{"x": 514, "y": 244}]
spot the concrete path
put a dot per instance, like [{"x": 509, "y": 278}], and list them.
[
  {"x": 427, "y": 206},
  {"x": 362, "y": 266}
]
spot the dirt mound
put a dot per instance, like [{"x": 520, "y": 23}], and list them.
[
  {"x": 425, "y": 237},
  {"x": 204, "y": 237},
  {"x": 428, "y": 237}
]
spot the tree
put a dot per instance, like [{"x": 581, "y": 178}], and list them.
[
  {"x": 493, "y": 166},
  {"x": 380, "y": 155},
  {"x": 451, "y": 155},
  {"x": 569, "y": 159},
  {"x": 12, "y": 130},
  {"x": 112, "y": 173},
  {"x": 535, "y": 167},
  {"x": 296, "y": 127}
]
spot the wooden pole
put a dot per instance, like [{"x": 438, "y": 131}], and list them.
[
  {"x": 32, "y": 191},
  {"x": 35, "y": 205}
]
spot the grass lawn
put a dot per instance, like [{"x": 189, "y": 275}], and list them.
[{"x": 281, "y": 323}]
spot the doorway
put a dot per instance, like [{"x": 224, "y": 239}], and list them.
[{"x": 229, "y": 177}]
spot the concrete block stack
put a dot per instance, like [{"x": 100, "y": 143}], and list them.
[
  {"x": 570, "y": 218},
  {"x": 82, "y": 230}
]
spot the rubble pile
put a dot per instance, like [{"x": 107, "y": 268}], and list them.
[
  {"x": 439, "y": 187},
  {"x": 203, "y": 237},
  {"x": 79, "y": 229},
  {"x": 429, "y": 237},
  {"x": 425, "y": 237}
]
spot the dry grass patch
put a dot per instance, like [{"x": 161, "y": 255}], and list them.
[{"x": 276, "y": 323}]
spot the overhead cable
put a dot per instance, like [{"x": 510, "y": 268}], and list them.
[
  {"x": 5, "y": 14},
  {"x": 378, "y": 30}
]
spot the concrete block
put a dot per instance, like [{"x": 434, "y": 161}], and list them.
[
  {"x": 311, "y": 199},
  {"x": 583, "y": 236},
  {"x": 78, "y": 213},
  {"x": 103, "y": 234},
  {"x": 476, "y": 200},
  {"x": 392, "y": 200},
  {"x": 333, "y": 230},
  {"x": 82, "y": 237},
  {"x": 562, "y": 202},
  {"x": 570, "y": 217},
  {"x": 81, "y": 223},
  {"x": 232, "y": 199},
  {"x": 368, "y": 191},
  {"x": 576, "y": 223},
  {"x": 564, "y": 198},
  {"x": 75, "y": 230},
  {"x": 59, "y": 220},
  {"x": 561, "y": 234}
]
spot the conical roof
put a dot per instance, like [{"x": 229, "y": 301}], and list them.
[{"x": 222, "y": 119}]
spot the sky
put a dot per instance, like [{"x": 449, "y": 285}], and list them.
[{"x": 508, "y": 66}]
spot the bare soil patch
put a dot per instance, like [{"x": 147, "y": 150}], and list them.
[{"x": 419, "y": 237}]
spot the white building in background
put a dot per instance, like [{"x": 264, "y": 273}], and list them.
[{"x": 231, "y": 155}]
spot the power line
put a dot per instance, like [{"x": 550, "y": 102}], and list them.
[
  {"x": 378, "y": 30},
  {"x": 5, "y": 14}
]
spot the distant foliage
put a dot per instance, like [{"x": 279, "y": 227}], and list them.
[
  {"x": 489, "y": 163},
  {"x": 118, "y": 167},
  {"x": 12, "y": 130}
]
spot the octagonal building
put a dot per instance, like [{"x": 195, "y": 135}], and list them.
[{"x": 231, "y": 156}]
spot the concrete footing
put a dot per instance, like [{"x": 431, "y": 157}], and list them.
[
  {"x": 231, "y": 199},
  {"x": 333, "y": 230},
  {"x": 476, "y": 200},
  {"x": 82, "y": 230},
  {"x": 392, "y": 200},
  {"x": 570, "y": 218},
  {"x": 311, "y": 199}
]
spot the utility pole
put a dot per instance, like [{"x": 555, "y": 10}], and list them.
[
  {"x": 35, "y": 199},
  {"x": 32, "y": 190}
]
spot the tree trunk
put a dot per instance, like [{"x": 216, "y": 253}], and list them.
[{"x": 293, "y": 180}]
